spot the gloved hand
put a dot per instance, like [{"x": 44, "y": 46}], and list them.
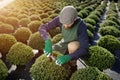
[
  {"x": 48, "y": 47},
  {"x": 63, "y": 59}
]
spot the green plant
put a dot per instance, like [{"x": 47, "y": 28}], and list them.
[
  {"x": 90, "y": 27},
  {"x": 6, "y": 28},
  {"x": 90, "y": 34},
  {"x": 34, "y": 17},
  {"x": 3, "y": 70},
  {"x": 113, "y": 19},
  {"x": 109, "y": 42},
  {"x": 109, "y": 30},
  {"x": 13, "y": 21},
  {"x": 94, "y": 17},
  {"x": 109, "y": 23},
  {"x": 34, "y": 25},
  {"x": 35, "y": 41},
  {"x": 45, "y": 69},
  {"x": 24, "y": 22},
  {"x": 46, "y": 20},
  {"x": 53, "y": 15},
  {"x": 43, "y": 15},
  {"x": 22, "y": 16},
  {"x": 100, "y": 57},
  {"x": 22, "y": 34},
  {"x": 89, "y": 73},
  {"x": 90, "y": 21},
  {"x": 85, "y": 13},
  {"x": 54, "y": 32},
  {"x": 19, "y": 54},
  {"x": 6, "y": 41},
  {"x": 56, "y": 38}
]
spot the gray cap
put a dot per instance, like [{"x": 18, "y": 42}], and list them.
[{"x": 68, "y": 15}]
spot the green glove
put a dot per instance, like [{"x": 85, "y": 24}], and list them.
[
  {"x": 48, "y": 47},
  {"x": 63, "y": 59}
]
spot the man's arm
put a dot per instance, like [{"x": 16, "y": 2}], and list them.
[
  {"x": 84, "y": 42},
  {"x": 43, "y": 30}
]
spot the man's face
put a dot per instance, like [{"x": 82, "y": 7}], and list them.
[{"x": 67, "y": 26}]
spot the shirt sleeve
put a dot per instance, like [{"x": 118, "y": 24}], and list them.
[
  {"x": 83, "y": 40},
  {"x": 43, "y": 30}
]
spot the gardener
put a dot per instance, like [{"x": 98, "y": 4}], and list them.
[{"x": 74, "y": 32}]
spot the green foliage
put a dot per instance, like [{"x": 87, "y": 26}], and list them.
[
  {"x": 90, "y": 27},
  {"x": 36, "y": 42},
  {"x": 90, "y": 34},
  {"x": 110, "y": 43},
  {"x": 22, "y": 16},
  {"x": 24, "y": 22},
  {"x": 22, "y": 34},
  {"x": 6, "y": 41},
  {"x": 109, "y": 30},
  {"x": 109, "y": 23},
  {"x": 94, "y": 17},
  {"x": 13, "y": 21},
  {"x": 34, "y": 25},
  {"x": 85, "y": 13},
  {"x": 113, "y": 19},
  {"x": 54, "y": 32},
  {"x": 56, "y": 38},
  {"x": 3, "y": 70},
  {"x": 45, "y": 69},
  {"x": 90, "y": 21},
  {"x": 96, "y": 13},
  {"x": 89, "y": 73},
  {"x": 43, "y": 15},
  {"x": 34, "y": 17},
  {"x": 2, "y": 18},
  {"x": 46, "y": 20},
  {"x": 90, "y": 9},
  {"x": 53, "y": 15},
  {"x": 100, "y": 57},
  {"x": 6, "y": 28},
  {"x": 19, "y": 54}
]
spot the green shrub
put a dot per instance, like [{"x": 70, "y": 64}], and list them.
[
  {"x": 90, "y": 9},
  {"x": 56, "y": 38},
  {"x": 43, "y": 15},
  {"x": 2, "y": 18},
  {"x": 89, "y": 73},
  {"x": 109, "y": 30},
  {"x": 46, "y": 69},
  {"x": 53, "y": 16},
  {"x": 90, "y": 34},
  {"x": 13, "y": 21},
  {"x": 113, "y": 19},
  {"x": 108, "y": 23},
  {"x": 19, "y": 54},
  {"x": 113, "y": 15},
  {"x": 6, "y": 28},
  {"x": 3, "y": 70},
  {"x": 90, "y": 27},
  {"x": 22, "y": 16},
  {"x": 94, "y": 17},
  {"x": 22, "y": 34},
  {"x": 34, "y": 17},
  {"x": 54, "y": 32},
  {"x": 24, "y": 22},
  {"x": 34, "y": 25},
  {"x": 80, "y": 15},
  {"x": 90, "y": 21},
  {"x": 6, "y": 41},
  {"x": 79, "y": 8},
  {"x": 85, "y": 13},
  {"x": 109, "y": 42},
  {"x": 46, "y": 20},
  {"x": 35, "y": 41},
  {"x": 100, "y": 57},
  {"x": 96, "y": 13}
]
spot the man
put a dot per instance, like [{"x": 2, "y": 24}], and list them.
[{"x": 75, "y": 37}]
